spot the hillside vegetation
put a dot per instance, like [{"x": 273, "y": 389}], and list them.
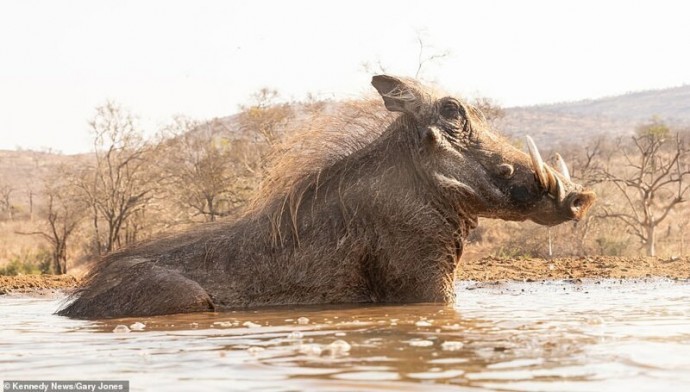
[{"x": 610, "y": 117}]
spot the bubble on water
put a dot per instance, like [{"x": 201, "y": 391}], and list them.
[
  {"x": 449, "y": 361},
  {"x": 295, "y": 335},
  {"x": 340, "y": 334},
  {"x": 137, "y": 326},
  {"x": 423, "y": 323},
  {"x": 311, "y": 349},
  {"x": 594, "y": 320},
  {"x": 303, "y": 321},
  {"x": 516, "y": 363},
  {"x": 434, "y": 374},
  {"x": 121, "y": 329},
  {"x": 250, "y": 324},
  {"x": 453, "y": 327},
  {"x": 452, "y": 345},
  {"x": 223, "y": 324},
  {"x": 339, "y": 347},
  {"x": 420, "y": 343},
  {"x": 368, "y": 376},
  {"x": 255, "y": 350}
]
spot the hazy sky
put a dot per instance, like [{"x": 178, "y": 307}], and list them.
[{"x": 60, "y": 59}]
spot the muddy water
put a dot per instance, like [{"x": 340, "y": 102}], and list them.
[{"x": 556, "y": 336}]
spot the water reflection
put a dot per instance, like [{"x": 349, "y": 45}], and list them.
[{"x": 554, "y": 336}]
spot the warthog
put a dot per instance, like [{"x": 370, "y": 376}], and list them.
[{"x": 384, "y": 224}]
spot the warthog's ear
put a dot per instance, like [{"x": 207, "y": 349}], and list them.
[{"x": 398, "y": 95}]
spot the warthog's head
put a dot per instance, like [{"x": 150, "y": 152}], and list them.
[{"x": 477, "y": 170}]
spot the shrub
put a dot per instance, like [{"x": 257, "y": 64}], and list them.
[{"x": 32, "y": 262}]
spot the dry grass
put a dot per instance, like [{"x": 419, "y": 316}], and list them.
[{"x": 14, "y": 246}]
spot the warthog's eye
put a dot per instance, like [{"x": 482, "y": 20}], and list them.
[
  {"x": 452, "y": 110},
  {"x": 506, "y": 170}
]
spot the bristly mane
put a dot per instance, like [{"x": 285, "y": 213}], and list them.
[
  {"x": 327, "y": 138},
  {"x": 322, "y": 140},
  {"x": 313, "y": 156}
]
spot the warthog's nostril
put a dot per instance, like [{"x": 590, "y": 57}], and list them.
[
  {"x": 577, "y": 202},
  {"x": 580, "y": 203}
]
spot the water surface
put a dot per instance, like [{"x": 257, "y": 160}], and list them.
[{"x": 554, "y": 336}]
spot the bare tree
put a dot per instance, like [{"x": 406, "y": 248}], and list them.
[
  {"x": 119, "y": 182},
  {"x": 30, "y": 193},
  {"x": 585, "y": 170},
  {"x": 6, "y": 200},
  {"x": 424, "y": 57},
  {"x": 587, "y": 161},
  {"x": 265, "y": 117},
  {"x": 60, "y": 217},
  {"x": 653, "y": 180},
  {"x": 375, "y": 67},
  {"x": 492, "y": 111},
  {"x": 205, "y": 169}
]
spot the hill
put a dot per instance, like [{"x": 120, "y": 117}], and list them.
[
  {"x": 614, "y": 116},
  {"x": 22, "y": 172}
]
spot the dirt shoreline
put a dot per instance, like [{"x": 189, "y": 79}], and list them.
[
  {"x": 36, "y": 283},
  {"x": 487, "y": 269}
]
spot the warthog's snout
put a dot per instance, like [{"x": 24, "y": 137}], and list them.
[
  {"x": 572, "y": 202},
  {"x": 578, "y": 203}
]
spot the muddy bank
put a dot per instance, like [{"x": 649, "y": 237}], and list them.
[
  {"x": 36, "y": 283},
  {"x": 487, "y": 269},
  {"x": 498, "y": 269}
]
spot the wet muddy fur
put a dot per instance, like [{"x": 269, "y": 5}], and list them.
[{"x": 384, "y": 223}]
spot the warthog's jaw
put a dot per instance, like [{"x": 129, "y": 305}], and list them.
[{"x": 569, "y": 201}]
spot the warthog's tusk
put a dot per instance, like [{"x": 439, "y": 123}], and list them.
[
  {"x": 562, "y": 167},
  {"x": 556, "y": 187},
  {"x": 537, "y": 163},
  {"x": 546, "y": 177}
]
